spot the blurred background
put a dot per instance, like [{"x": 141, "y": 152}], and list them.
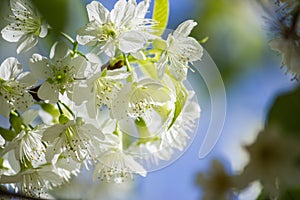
[{"x": 238, "y": 43}]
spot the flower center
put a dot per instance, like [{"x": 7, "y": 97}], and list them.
[
  {"x": 63, "y": 77},
  {"x": 106, "y": 31},
  {"x": 140, "y": 103}
]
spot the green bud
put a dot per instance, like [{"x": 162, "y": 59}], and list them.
[{"x": 63, "y": 119}]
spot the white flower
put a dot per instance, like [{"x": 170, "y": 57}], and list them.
[
  {"x": 180, "y": 50},
  {"x": 99, "y": 90},
  {"x": 123, "y": 28},
  {"x": 161, "y": 147},
  {"x": 137, "y": 99},
  {"x": 114, "y": 164},
  {"x": 38, "y": 181},
  {"x": 217, "y": 184},
  {"x": 25, "y": 27},
  {"x": 184, "y": 126},
  {"x": 58, "y": 72},
  {"x": 74, "y": 139},
  {"x": 289, "y": 48},
  {"x": 273, "y": 158},
  {"x": 143, "y": 108},
  {"x": 14, "y": 87},
  {"x": 28, "y": 147}
]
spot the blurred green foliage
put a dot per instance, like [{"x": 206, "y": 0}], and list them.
[
  {"x": 284, "y": 113},
  {"x": 54, "y": 11},
  {"x": 236, "y": 39}
]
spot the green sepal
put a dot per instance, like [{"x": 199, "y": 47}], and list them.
[
  {"x": 16, "y": 122},
  {"x": 181, "y": 98},
  {"x": 8, "y": 135},
  {"x": 2, "y": 164},
  {"x": 51, "y": 109},
  {"x": 63, "y": 119},
  {"x": 142, "y": 128}
]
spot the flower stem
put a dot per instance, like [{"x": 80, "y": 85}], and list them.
[
  {"x": 68, "y": 38},
  {"x": 129, "y": 68},
  {"x": 67, "y": 107},
  {"x": 59, "y": 108}
]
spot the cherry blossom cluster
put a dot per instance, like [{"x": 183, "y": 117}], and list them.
[{"x": 120, "y": 107}]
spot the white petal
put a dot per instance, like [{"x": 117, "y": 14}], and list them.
[
  {"x": 81, "y": 93},
  {"x": 117, "y": 74},
  {"x": 161, "y": 65},
  {"x": 131, "y": 41},
  {"x": 109, "y": 48},
  {"x": 135, "y": 166},
  {"x": 122, "y": 13},
  {"x": 142, "y": 9},
  {"x": 40, "y": 67},
  {"x": 91, "y": 131},
  {"x": 138, "y": 55},
  {"x": 44, "y": 29},
  {"x": 193, "y": 50},
  {"x": 10, "y": 34},
  {"x": 87, "y": 35},
  {"x": 24, "y": 102},
  {"x": 59, "y": 51},
  {"x": 10, "y": 68},
  {"x": 120, "y": 105},
  {"x": 21, "y": 5},
  {"x": 48, "y": 92},
  {"x": 51, "y": 133},
  {"x": 29, "y": 115},
  {"x": 184, "y": 29},
  {"x": 2, "y": 141},
  {"x": 96, "y": 11},
  {"x": 27, "y": 78},
  {"x": 78, "y": 63},
  {"x": 178, "y": 69},
  {"x": 5, "y": 109},
  {"x": 26, "y": 43}
]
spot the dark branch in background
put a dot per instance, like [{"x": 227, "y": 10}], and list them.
[
  {"x": 33, "y": 93},
  {"x": 116, "y": 65}
]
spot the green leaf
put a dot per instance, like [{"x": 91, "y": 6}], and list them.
[
  {"x": 161, "y": 15},
  {"x": 55, "y": 12},
  {"x": 8, "y": 135},
  {"x": 181, "y": 97},
  {"x": 284, "y": 113}
]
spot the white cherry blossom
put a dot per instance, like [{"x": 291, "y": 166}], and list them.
[
  {"x": 28, "y": 147},
  {"x": 76, "y": 140},
  {"x": 124, "y": 28},
  {"x": 100, "y": 88},
  {"x": 35, "y": 182},
  {"x": 58, "y": 72},
  {"x": 180, "y": 50},
  {"x": 25, "y": 27},
  {"x": 14, "y": 87},
  {"x": 115, "y": 165}
]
